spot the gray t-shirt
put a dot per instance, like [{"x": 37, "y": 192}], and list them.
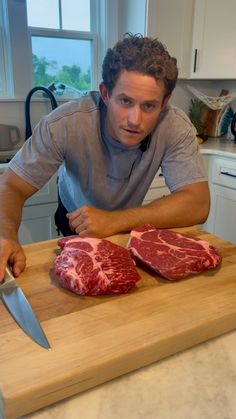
[{"x": 97, "y": 170}]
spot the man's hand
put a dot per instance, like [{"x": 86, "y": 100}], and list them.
[
  {"x": 187, "y": 206},
  {"x": 12, "y": 253},
  {"x": 93, "y": 222}
]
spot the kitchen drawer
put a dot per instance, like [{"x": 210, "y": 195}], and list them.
[{"x": 223, "y": 172}]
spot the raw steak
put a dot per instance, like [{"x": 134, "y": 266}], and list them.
[
  {"x": 90, "y": 266},
  {"x": 171, "y": 254}
]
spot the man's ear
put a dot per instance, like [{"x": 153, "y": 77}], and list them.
[
  {"x": 104, "y": 93},
  {"x": 165, "y": 101}
]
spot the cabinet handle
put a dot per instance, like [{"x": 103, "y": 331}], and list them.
[
  {"x": 227, "y": 174},
  {"x": 195, "y": 61}
]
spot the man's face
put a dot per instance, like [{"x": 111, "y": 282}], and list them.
[{"x": 133, "y": 106}]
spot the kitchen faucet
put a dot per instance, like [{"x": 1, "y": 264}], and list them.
[{"x": 28, "y": 130}]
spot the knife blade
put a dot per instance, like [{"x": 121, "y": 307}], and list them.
[{"x": 20, "y": 309}]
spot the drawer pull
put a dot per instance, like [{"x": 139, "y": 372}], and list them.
[{"x": 228, "y": 174}]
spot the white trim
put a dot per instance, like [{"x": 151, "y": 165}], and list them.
[
  {"x": 147, "y": 6},
  {"x": 5, "y": 57},
  {"x": 20, "y": 48},
  {"x": 112, "y": 13},
  {"x": 104, "y": 23}
]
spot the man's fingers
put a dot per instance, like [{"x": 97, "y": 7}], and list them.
[
  {"x": 2, "y": 269},
  {"x": 4, "y": 257},
  {"x": 75, "y": 219},
  {"x": 18, "y": 267},
  {"x": 13, "y": 255}
]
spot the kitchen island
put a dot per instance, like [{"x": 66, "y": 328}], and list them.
[{"x": 95, "y": 340}]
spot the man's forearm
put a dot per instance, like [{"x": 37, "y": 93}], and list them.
[
  {"x": 14, "y": 192},
  {"x": 179, "y": 209},
  {"x": 187, "y": 206},
  {"x": 10, "y": 214}
]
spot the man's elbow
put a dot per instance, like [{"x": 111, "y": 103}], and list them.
[
  {"x": 204, "y": 210},
  {"x": 204, "y": 215}
]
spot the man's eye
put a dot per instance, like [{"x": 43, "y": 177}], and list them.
[
  {"x": 148, "y": 107},
  {"x": 125, "y": 101}
]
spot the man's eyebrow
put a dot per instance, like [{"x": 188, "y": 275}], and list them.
[
  {"x": 151, "y": 101},
  {"x": 124, "y": 95}
]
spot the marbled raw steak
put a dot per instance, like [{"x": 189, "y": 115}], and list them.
[
  {"x": 171, "y": 254},
  {"x": 91, "y": 266}
]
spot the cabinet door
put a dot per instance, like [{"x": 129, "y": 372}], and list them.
[
  {"x": 38, "y": 223},
  {"x": 48, "y": 193},
  {"x": 171, "y": 21},
  {"x": 157, "y": 189},
  {"x": 214, "y": 39},
  {"x": 221, "y": 220}
]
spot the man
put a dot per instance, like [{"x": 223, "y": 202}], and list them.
[{"x": 108, "y": 147}]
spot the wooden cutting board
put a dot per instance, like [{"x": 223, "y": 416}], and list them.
[{"x": 95, "y": 339}]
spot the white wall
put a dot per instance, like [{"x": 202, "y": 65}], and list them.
[
  {"x": 181, "y": 96},
  {"x": 13, "y": 113},
  {"x": 132, "y": 16}
]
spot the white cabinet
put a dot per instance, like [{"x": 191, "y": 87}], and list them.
[
  {"x": 214, "y": 39},
  {"x": 38, "y": 223},
  {"x": 157, "y": 189},
  {"x": 222, "y": 183},
  {"x": 38, "y": 215},
  {"x": 201, "y": 34},
  {"x": 221, "y": 220},
  {"x": 171, "y": 22}
]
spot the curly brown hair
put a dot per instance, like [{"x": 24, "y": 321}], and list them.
[{"x": 141, "y": 54}]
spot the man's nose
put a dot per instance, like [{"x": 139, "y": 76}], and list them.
[{"x": 134, "y": 116}]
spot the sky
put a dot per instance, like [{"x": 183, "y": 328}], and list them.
[
  {"x": 75, "y": 16},
  {"x": 65, "y": 51}
]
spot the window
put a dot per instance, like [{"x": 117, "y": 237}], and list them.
[
  {"x": 64, "y": 43},
  {"x": 54, "y": 42},
  {"x": 5, "y": 80}
]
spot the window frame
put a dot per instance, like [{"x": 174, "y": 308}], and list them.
[
  {"x": 6, "y": 87},
  {"x": 91, "y": 35},
  {"x": 18, "y": 66}
]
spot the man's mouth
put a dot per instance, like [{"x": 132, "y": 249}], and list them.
[{"x": 131, "y": 131}]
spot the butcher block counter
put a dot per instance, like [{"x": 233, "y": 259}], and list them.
[{"x": 96, "y": 339}]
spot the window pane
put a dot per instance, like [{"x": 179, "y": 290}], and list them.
[
  {"x": 62, "y": 60},
  {"x": 5, "y": 67},
  {"x": 2, "y": 69},
  {"x": 43, "y": 13},
  {"x": 76, "y": 15}
]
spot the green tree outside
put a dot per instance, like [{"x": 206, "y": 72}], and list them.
[{"x": 72, "y": 76}]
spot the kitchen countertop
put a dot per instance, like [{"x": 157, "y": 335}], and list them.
[
  {"x": 219, "y": 146},
  {"x": 197, "y": 383}
]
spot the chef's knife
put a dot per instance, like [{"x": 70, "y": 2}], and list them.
[{"x": 20, "y": 309}]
